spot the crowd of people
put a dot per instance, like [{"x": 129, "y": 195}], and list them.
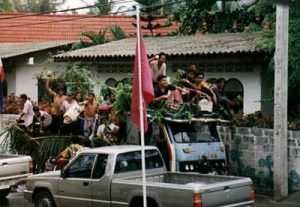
[
  {"x": 190, "y": 85},
  {"x": 70, "y": 114},
  {"x": 80, "y": 114}
]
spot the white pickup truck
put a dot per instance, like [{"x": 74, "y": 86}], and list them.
[
  {"x": 13, "y": 169},
  {"x": 111, "y": 176}
]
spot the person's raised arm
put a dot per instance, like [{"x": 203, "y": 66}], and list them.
[{"x": 49, "y": 90}]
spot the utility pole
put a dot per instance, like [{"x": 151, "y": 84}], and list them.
[{"x": 280, "y": 101}]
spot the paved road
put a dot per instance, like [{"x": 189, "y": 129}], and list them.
[{"x": 15, "y": 199}]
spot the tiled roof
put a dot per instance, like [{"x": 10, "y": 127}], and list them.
[
  {"x": 8, "y": 50},
  {"x": 24, "y": 27},
  {"x": 173, "y": 45}
]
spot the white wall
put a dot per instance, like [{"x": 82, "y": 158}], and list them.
[
  {"x": 24, "y": 80},
  {"x": 252, "y": 87}
]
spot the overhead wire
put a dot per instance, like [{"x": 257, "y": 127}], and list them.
[
  {"x": 83, "y": 17},
  {"x": 88, "y": 7},
  {"x": 64, "y": 10}
]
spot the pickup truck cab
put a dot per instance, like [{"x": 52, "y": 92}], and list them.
[
  {"x": 111, "y": 176},
  {"x": 193, "y": 146},
  {"x": 13, "y": 169}
]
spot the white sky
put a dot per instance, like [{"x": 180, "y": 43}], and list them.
[{"x": 69, "y": 4}]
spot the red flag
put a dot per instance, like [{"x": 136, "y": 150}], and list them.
[
  {"x": 2, "y": 75},
  {"x": 146, "y": 84},
  {"x": 2, "y": 78}
]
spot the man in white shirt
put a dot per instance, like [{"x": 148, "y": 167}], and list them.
[
  {"x": 158, "y": 66},
  {"x": 27, "y": 112},
  {"x": 43, "y": 118}
]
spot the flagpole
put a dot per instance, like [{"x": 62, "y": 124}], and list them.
[{"x": 141, "y": 108}]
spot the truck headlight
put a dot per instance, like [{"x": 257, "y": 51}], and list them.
[
  {"x": 191, "y": 167},
  {"x": 187, "y": 168}
]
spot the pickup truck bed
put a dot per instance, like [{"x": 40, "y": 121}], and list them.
[
  {"x": 214, "y": 190},
  {"x": 13, "y": 169}
]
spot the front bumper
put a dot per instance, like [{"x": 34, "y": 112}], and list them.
[{"x": 203, "y": 166}]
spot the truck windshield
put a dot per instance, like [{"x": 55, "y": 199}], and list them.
[
  {"x": 131, "y": 161},
  {"x": 193, "y": 132}
]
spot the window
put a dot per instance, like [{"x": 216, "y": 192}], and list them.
[
  {"x": 234, "y": 91},
  {"x": 211, "y": 80},
  {"x": 131, "y": 161},
  {"x": 100, "y": 166},
  {"x": 194, "y": 132},
  {"x": 111, "y": 82},
  {"x": 82, "y": 167}
]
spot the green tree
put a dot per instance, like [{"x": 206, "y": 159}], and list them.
[
  {"x": 90, "y": 38},
  {"x": 6, "y": 6},
  {"x": 38, "y": 6},
  {"x": 103, "y": 7},
  {"x": 206, "y": 16},
  {"x": 151, "y": 11}
]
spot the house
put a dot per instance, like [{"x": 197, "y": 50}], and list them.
[
  {"x": 230, "y": 56},
  {"x": 27, "y": 38},
  {"x": 30, "y": 27},
  {"x": 24, "y": 61}
]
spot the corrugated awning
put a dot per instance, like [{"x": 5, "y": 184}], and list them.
[
  {"x": 172, "y": 46},
  {"x": 8, "y": 50}
]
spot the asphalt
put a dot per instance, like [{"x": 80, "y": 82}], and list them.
[
  {"x": 16, "y": 199},
  {"x": 292, "y": 200}
]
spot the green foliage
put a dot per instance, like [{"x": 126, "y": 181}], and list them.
[
  {"x": 123, "y": 99},
  {"x": 294, "y": 60},
  {"x": 38, "y": 6},
  {"x": 103, "y": 7},
  {"x": 117, "y": 32},
  {"x": 6, "y": 6},
  {"x": 49, "y": 147},
  {"x": 77, "y": 79},
  {"x": 205, "y": 16},
  {"x": 151, "y": 11},
  {"x": 90, "y": 38},
  {"x": 40, "y": 149}
]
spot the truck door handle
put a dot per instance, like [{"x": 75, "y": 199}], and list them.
[
  {"x": 85, "y": 183},
  {"x": 4, "y": 163}
]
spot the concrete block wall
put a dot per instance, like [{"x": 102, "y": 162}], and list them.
[{"x": 250, "y": 153}]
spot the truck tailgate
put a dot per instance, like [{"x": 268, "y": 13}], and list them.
[
  {"x": 11, "y": 165},
  {"x": 229, "y": 195}
]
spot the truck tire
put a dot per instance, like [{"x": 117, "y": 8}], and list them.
[
  {"x": 138, "y": 202},
  {"x": 43, "y": 199},
  {"x": 4, "y": 193}
]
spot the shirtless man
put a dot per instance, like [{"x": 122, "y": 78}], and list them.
[
  {"x": 90, "y": 111},
  {"x": 58, "y": 99}
]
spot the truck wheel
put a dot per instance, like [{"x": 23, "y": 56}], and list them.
[
  {"x": 4, "y": 193},
  {"x": 139, "y": 202},
  {"x": 44, "y": 199}
]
